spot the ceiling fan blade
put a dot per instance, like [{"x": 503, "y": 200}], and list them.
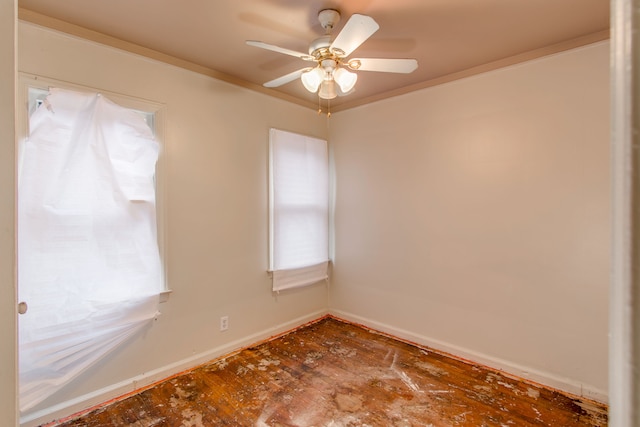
[
  {"x": 357, "y": 29},
  {"x": 286, "y": 78},
  {"x": 279, "y": 49},
  {"x": 383, "y": 65}
]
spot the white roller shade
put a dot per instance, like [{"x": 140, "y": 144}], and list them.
[{"x": 299, "y": 209}]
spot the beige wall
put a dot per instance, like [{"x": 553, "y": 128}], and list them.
[
  {"x": 8, "y": 377},
  {"x": 474, "y": 216},
  {"x": 634, "y": 71},
  {"x": 215, "y": 159}
]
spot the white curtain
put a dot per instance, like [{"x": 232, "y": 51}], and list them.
[
  {"x": 299, "y": 209},
  {"x": 88, "y": 260}
]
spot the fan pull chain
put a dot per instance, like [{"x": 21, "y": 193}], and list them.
[{"x": 328, "y": 107}]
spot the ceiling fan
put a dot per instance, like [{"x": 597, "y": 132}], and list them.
[{"x": 330, "y": 76}]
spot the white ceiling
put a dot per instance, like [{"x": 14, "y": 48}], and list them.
[{"x": 449, "y": 38}]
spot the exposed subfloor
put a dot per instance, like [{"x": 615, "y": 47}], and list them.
[{"x": 333, "y": 373}]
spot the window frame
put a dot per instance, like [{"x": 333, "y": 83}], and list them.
[{"x": 302, "y": 271}]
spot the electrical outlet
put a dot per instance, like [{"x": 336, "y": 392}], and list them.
[{"x": 224, "y": 323}]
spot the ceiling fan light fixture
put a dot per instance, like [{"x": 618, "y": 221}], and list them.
[
  {"x": 345, "y": 79},
  {"x": 312, "y": 79},
  {"x": 328, "y": 89}
]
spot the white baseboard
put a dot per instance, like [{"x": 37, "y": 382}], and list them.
[
  {"x": 546, "y": 379},
  {"x": 130, "y": 385}
]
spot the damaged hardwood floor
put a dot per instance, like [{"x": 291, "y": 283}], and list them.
[{"x": 333, "y": 373}]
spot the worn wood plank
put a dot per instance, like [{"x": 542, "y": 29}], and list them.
[{"x": 333, "y": 373}]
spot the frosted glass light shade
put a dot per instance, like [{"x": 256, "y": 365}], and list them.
[
  {"x": 345, "y": 79},
  {"x": 328, "y": 89},
  {"x": 312, "y": 79}
]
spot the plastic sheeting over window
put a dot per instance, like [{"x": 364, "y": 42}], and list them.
[
  {"x": 299, "y": 209},
  {"x": 89, "y": 266}
]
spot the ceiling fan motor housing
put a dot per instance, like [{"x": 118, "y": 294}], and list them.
[{"x": 318, "y": 44}]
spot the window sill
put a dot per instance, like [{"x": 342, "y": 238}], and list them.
[{"x": 164, "y": 295}]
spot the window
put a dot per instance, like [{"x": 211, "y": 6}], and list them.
[
  {"x": 89, "y": 264},
  {"x": 299, "y": 209}
]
